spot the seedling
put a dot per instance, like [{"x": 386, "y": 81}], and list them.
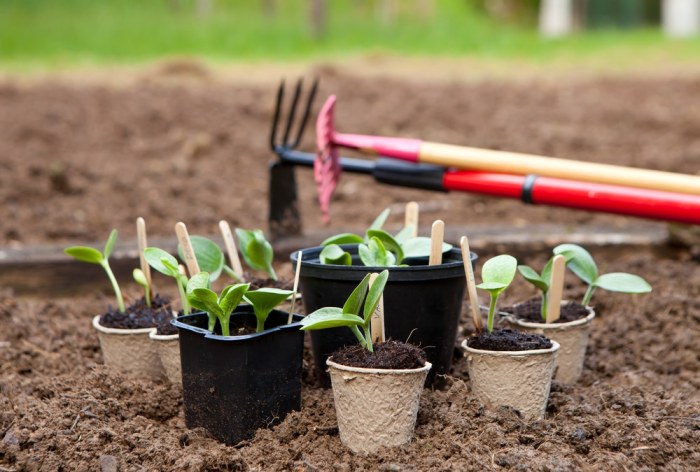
[
  {"x": 140, "y": 278},
  {"x": 209, "y": 256},
  {"x": 378, "y": 248},
  {"x": 497, "y": 274},
  {"x": 168, "y": 265},
  {"x": 582, "y": 264},
  {"x": 363, "y": 299},
  {"x": 221, "y": 306},
  {"x": 256, "y": 250},
  {"x": 93, "y": 256}
]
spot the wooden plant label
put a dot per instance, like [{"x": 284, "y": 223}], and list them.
[
  {"x": 437, "y": 235},
  {"x": 556, "y": 287},
  {"x": 230, "y": 244},
  {"x": 471, "y": 284},
  {"x": 377, "y": 326},
  {"x": 143, "y": 244},
  {"x": 184, "y": 239},
  {"x": 412, "y": 217}
]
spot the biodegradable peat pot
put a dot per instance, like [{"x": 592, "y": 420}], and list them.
[
  {"x": 518, "y": 379},
  {"x": 422, "y": 304},
  {"x": 376, "y": 408},
  {"x": 572, "y": 336},
  {"x": 129, "y": 350},
  {"x": 168, "y": 348},
  {"x": 234, "y": 385}
]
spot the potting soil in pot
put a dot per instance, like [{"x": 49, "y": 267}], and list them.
[
  {"x": 531, "y": 310},
  {"x": 509, "y": 340},
  {"x": 387, "y": 355},
  {"x": 139, "y": 315}
]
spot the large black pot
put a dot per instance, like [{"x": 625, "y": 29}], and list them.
[
  {"x": 422, "y": 304},
  {"x": 233, "y": 385}
]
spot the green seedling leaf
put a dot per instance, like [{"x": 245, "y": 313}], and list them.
[
  {"x": 374, "y": 254},
  {"x": 623, "y": 282},
  {"x": 343, "y": 238},
  {"x": 231, "y": 297},
  {"x": 209, "y": 255},
  {"x": 161, "y": 261},
  {"x": 257, "y": 252},
  {"x": 497, "y": 274},
  {"x": 264, "y": 301},
  {"x": 579, "y": 261},
  {"x": 388, "y": 241},
  {"x": 140, "y": 278},
  {"x": 334, "y": 254},
  {"x": 198, "y": 281},
  {"x": 380, "y": 220},
  {"x": 85, "y": 254},
  {"x": 499, "y": 270},
  {"x": 404, "y": 235},
  {"x": 354, "y": 302},
  {"x": 420, "y": 247},
  {"x": 109, "y": 245},
  {"x": 329, "y": 317},
  {"x": 208, "y": 299},
  {"x": 375, "y": 293},
  {"x": 534, "y": 278}
]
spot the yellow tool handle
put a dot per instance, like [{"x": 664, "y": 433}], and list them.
[{"x": 469, "y": 158}]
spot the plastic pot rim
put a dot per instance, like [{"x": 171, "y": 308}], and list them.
[
  {"x": 365, "y": 370},
  {"x": 452, "y": 268},
  {"x": 121, "y": 331},
  {"x": 532, "y": 352},
  {"x": 244, "y": 337}
]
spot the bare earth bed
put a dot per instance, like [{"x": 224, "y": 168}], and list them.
[{"x": 77, "y": 159}]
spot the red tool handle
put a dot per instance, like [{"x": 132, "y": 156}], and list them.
[{"x": 655, "y": 204}]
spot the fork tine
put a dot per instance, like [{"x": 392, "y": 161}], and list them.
[
  {"x": 305, "y": 116},
  {"x": 276, "y": 116},
  {"x": 292, "y": 113}
]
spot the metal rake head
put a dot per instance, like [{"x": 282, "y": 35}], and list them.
[{"x": 285, "y": 144}]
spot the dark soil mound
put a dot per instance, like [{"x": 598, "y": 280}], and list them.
[
  {"x": 139, "y": 315},
  {"x": 509, "y": 340},
  {"x": 531, "y": 310},
  {"x": 387, "y": 355}
]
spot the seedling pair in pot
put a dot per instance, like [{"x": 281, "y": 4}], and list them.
[
  {"x": 423, "y": 295},
  {"x": 514, "y": 368},
  {"x": 124, "y": 332},
  {"x": 571, "y": 325},
  {"x": 376, "y": 383}
]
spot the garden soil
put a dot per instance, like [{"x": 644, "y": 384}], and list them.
[{"x": 78, "y": 158}]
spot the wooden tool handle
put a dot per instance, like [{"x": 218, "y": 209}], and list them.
[{"x": 515, "y": 163}]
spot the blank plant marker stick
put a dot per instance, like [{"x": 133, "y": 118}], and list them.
[
  {"x": 412, "y": 217},
  {"x": 143, "y": 244},
  {"x": 437, "y": 235},
  {"x": 471, "y": 285},
  {"x": 377, "y": 327},
  {"x": 296, "y": 286},
  {"x": 556, "y": 287},
  {"x": 187, "y": 250},
  {"x": 231, "y": 249}
]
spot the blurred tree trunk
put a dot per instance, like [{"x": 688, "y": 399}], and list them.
[{"x": 318, "y": 18}]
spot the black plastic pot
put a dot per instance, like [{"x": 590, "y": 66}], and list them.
[
  {"x": 233, "y": 385},
  {"x": 422, "y": 304}
]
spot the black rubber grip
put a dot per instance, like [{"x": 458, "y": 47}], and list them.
[
  {"x": 528, "y": 185},
  {"x": 407, "y": 174}
]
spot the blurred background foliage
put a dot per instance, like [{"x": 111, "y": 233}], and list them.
[{"x": 57, "y": 33}]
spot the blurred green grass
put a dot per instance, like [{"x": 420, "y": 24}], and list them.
[{"x": 65, "y": 33}]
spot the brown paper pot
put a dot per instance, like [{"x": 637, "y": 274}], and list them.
[
  {"x": 573, "y": 339},
  {"x": 168, "y": 348},
  {"x": 129, "y": 350},
  {"x": 376, "y": 408},
  {"x": 518, "y": 379}
]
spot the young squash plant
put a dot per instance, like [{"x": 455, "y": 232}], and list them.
[
  {"x": 167, "y": 265},
  {"x": 497, "y": 274},
  {"x": 220, "y": 307},
  {"x": 355, "y": 314},
  {"x": 93, "y": 256},
  {"x": 378, "y": 248},
  {"x": 582, "y": 264}
]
